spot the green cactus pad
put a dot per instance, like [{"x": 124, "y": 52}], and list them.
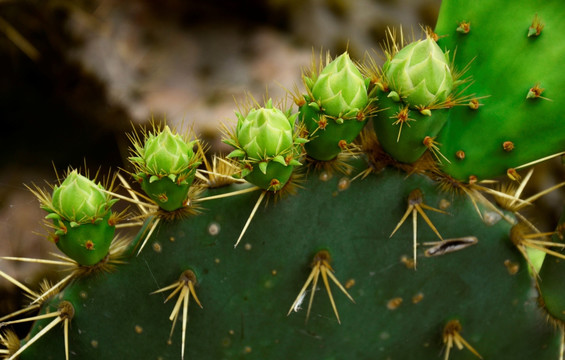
[
  {"x": 326, "y": 143},
  {"x": 509, "y": 69},
  {"x": 405, "y": 141},
  {"x": 87, "y": 244},
  {"x": 246, "y": 293},
  {"x": 166, "y": 193}
]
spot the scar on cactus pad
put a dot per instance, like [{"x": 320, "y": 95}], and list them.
[
  {"x": 336, "y": 106},
  {"x": 267, "y": 147}
]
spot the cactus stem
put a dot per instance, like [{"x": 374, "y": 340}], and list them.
[
  {"x": 64, "y": 314},
  {"x": 185, "y": 285},
  {"x": 416, "y": 205},
  {"x": 320, "y": 265},
  {"x": 261, "y": 197},
  {"x": 452, "y": 336},
  {"x": 402, "y": 117}
]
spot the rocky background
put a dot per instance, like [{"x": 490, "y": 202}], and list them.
[{"x": 77, "y": 74}]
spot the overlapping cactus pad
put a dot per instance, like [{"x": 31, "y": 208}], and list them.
[
  {"x": 515, "y": 51},
  {"x": 399, "y": 312}
]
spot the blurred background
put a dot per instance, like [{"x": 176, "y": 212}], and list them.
[{"x": 77, "y": 74}]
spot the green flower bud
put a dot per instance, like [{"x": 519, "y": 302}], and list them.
[
  {"x": 265, "y": 132},
  {"x": 167, "y": 153},
  {"x": 340, "y": 88},
  {"x": 80, "y": 200},
  {"x": 165, "y": 165},
  {"x": 267, "y": 146},
  {"x": 420, "y": 73},
  {"x": 83, "y": 223}
]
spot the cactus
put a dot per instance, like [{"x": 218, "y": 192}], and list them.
[{"x": 390, "y": 256}]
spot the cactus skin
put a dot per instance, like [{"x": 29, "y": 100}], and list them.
[
  {"x": 409, "y": 146},
  {"x": 247, "y": 292},
  {"x": 336, "y": 108},
  {"x": 507, "y": 64}
]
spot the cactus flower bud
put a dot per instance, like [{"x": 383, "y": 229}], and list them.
[
  {"x": 266, "y": 145},
  {"x": 420, "y": 73},
  {"x": 265, "y": 132},
  {"x": 79, "y": 199},
  {"x": 341, "y": 88},
  {"x": 166, "y": 165},
  {"x": 83, "y": 222},
  {"x": 167, "y": 153}
]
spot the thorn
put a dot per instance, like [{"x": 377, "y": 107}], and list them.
[
  {"x": 452, "y": 335},
  {"x": 416, "y": 206},
  {"x": 460, "y": 154},
  {"x": 153, "y": 227},
  {"x": 64, "y": 314},
  {"x": 523, "y": 240},
  {"x": 250, "y": 217},
  {"x": 464, "y": 27},
  {"x": 535, "y": 93},
  {"x": 320, "y": 265},
  {"x": 185, "y": 285},
  {"x": 402, "y": 117},
  {"x": 536, "y": 27}
]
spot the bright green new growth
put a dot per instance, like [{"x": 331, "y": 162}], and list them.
[
  {"x": 341, "y": 89},
  {"x": 335, "y": 109},
  {"x": 167, "y": 153},
  {"x": 265, "y": 133},
  {"x": 419, "y": 74},
  {"x": 266, "y": 146},
  {"x": 165, "y": 165},
  {"x": 80, "y": 200},
  {"x": 80, "y": 211}
]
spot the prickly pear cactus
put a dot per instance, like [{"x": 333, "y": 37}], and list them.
[
  {"x": 515, "y": 68},
  {"x": 387, "y": 254}
]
